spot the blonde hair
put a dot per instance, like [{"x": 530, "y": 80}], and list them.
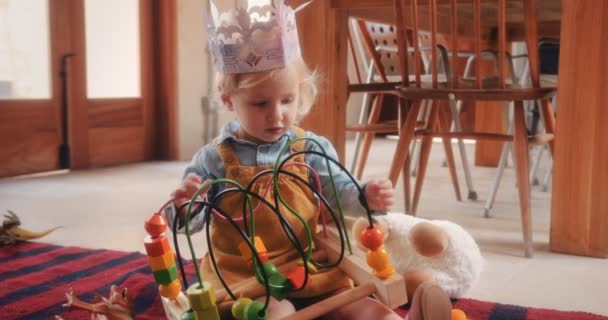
[{"x": 229, "y": 84}]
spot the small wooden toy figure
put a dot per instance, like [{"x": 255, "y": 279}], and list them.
[
  {"x": 118, "y": 305},
  {"x": 11, "y": 231}
]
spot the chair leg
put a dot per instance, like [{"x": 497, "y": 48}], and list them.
[
  {"x": 548, "y": 120},
  {"x": 455, "y": 111},
  {"x": 502, "y": 163},
  {"x": 444, "y": 126},
  {"x": 425, "y": 152},
  {"x": 415, "y": 152},
  {"x": 368, "y": 137},
  {"x": 520, "y": 147},
  {"x": 405, "y": 175},
  {"x": 406, "y": 134}
]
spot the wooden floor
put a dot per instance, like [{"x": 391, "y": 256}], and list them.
[{"x": 105, "y": 208}]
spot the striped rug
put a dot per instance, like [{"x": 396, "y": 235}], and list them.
[{"x": 35, "y": 276}]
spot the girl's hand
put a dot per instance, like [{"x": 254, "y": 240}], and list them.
[
  {"x": 379, "y": 194},
  {"x": 189, "y": 186}
]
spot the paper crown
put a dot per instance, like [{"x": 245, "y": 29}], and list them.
[{"x": 252, "y": 38}]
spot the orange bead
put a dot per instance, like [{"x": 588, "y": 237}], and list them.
[
  {"x": 162, "y": 262},
  {"x": 385, "y": 273},
  {"x": 458, "y": 314},
  {"x": 156, "y": 246},
  {"x": 372, "y": 238},
  {"x": 296, "y": 277},
  {"x": 170, "y": 291},
  {"x": 156, "y": 225},
  {"x": 377, "y": 259}
]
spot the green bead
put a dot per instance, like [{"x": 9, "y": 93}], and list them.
[
  {"x": 253, "y": 311},
  {"x": 165, "y": 276},
  {"x": 188, "y": 315},
  {"x": 279, "y": 286},
  {"x": 239, "y": 306},
  {"x": 270, "y": 269}
]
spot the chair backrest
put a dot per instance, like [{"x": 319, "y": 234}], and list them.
[
  {"x": 415, "y": 15},
  {"x": 380, "y": 43}
]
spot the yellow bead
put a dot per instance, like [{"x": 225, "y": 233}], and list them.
[
  {"x": 207, "y": 314},
  {"x": 170, "y": 291},
  {"x": 377, "y": 259},
  {"x": 238, "y": 307},
  {"x": 311, "y": 267},
  {"x": 201, "y": 298},
  {"x": 245, "y": 250}
]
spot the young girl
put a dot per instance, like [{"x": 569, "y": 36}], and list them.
[{"x": 266, "y": 105}]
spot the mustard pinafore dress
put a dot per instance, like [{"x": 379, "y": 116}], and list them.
[{"x": 225, "y": 239}]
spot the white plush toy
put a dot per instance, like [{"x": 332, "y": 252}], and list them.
[{"x": 429, "y": 250}]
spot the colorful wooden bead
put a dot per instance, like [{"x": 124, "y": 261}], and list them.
[
  {"x": 377, "y": 259},
  {"x": 385, "y": 273},
  {"x": 255, "y": 311},
  {"x": 238, "y": 308},
  {"x": 279, "y": 286},
  {"x": 207, "y": 314},
  {"x": 188, "y": 315},
  {"x": 245, "y": 250},
  {"x": 156, "y": 225},
  {"x": 201, "y": 297},
  {"x": 458, "y": 314},
  {"x": 165, "y": 276},
  {"x": 296, "y": 277},
  {"x": 171, "y": 290},
  {"x": 156, "y": 246},
  {"x": 270, "y": 269},
  {"x": 311, "y": 267},
  {"x": 164, "y": 261},
  {"x": 372, "y": 238}
]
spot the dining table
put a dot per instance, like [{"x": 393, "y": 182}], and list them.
[{"x": 579, "y": 203}]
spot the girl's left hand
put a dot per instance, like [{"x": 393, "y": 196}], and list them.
[{"x": 379, "y": 194}]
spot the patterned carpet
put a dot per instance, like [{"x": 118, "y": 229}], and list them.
[{"x": 35, "y": 277}]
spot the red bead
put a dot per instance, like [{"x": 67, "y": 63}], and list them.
[
  {"x": 372, "y": 238},
  {"x": 296, "y": 277},
  {"x": 156, "y": 246},
  {"x": 156, "y": 225}
]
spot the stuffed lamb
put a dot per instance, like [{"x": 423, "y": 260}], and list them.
[{"x": 429, "y": 250}]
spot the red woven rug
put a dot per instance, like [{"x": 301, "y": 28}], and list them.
[{"x": 35, "y": 277}]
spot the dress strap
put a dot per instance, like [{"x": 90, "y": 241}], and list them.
[
  {"x": 299, "y": 145},
  {"x": 227, "y": 154}
]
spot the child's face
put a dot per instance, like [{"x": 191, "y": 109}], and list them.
[{"x": 268, "y": 109}]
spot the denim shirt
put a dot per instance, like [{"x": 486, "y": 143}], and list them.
[{"x": 207, "y": 164}]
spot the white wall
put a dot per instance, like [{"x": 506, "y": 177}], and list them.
[{"x": 193, "y": 78}]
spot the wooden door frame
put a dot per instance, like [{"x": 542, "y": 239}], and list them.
[
  {"x": 165, "y": 137},
  {"x": 158, "y": 24}
]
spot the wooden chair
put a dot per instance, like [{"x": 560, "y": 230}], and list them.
[
  {"x": 380, "y": 43},
  {"x": 407, "y": 14}
]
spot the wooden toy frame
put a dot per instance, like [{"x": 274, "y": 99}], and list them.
[{"x": 390, "y": 291}]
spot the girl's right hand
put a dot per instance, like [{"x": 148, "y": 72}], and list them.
[{"x": 189, "y": 186}]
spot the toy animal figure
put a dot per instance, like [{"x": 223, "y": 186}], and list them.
[
  {"x": 118, "y": 306},
  {"x": 429, "y": 250},
  {"x": 11, "y": 232}
]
